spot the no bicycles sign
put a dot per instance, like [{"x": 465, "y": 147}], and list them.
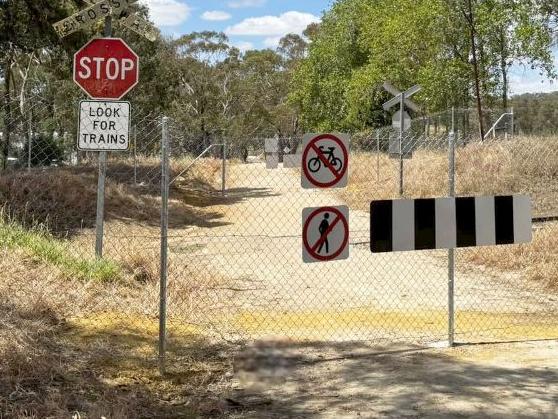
[
  {"x": 325, "y": 161},
  {"x": 325, "y": 234}
]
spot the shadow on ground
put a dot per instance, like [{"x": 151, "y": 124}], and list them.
[
  {"x": 65, "y": 198},
  {"x": 335, "y": 380},
  {"x": 107, "y": 366}
]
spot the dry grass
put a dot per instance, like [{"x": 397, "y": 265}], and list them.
[
  {"x": 64, "y": 199},
  {"x": 524, "y": 165},
  {"x": 76, "y": 343},
  {"x": 101, "y": 367},
  {"x": 69, "y": 347}
]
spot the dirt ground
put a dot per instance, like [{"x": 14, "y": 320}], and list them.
[
  {"x": 273, "y": 294},
  {"x": 308, "y": 324},
  {"x": 348, "y": 380}
]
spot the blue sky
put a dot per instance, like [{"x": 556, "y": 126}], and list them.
[{"x": 261, "y": 23}]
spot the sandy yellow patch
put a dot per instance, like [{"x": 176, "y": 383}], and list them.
[{"x": 470, "y": 325}]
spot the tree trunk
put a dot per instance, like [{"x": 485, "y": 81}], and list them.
[
  {"x": 476, "y": 72},
  {"x": 504, "y": 69},
  {"x": 7, "y": 111}
]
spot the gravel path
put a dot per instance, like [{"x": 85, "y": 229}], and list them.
[{"x": 274, "y": 294}]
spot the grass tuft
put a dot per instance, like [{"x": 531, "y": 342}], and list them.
[{"x": 41, "y": 246}]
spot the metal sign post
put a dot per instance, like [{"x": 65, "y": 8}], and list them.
[
  {"x": 100, "y": 222},
  {"x": 401, "y": 131},
  {"x": 403, "y": 99}
]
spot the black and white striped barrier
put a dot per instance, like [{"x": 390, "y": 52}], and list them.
[{"x": 447, "y": 223}]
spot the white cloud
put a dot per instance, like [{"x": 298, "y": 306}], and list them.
[
  {"x": 215, "y": 15},
  {"x": 272, "y": 42},
  {"x": 238, "y": 4},
  {"x": 244, "y": 46},
  {"x": 273, "y": 26},
  {"x": 168, "y": 12}
]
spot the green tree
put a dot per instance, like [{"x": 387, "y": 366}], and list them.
[{"x": 460, "y": 52}]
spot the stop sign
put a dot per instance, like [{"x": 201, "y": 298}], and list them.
[{"x": 106, "y": 68}]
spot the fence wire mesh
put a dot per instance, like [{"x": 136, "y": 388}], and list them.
[
  {"x": 237, "y": 270},
  {"x": 48, "y": 195},
  {"x": 235, "y": 265}
]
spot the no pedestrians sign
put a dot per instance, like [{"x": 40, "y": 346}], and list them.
[
  {"x": 325, "y": 161},
  {"x": 325, "y": 234}
]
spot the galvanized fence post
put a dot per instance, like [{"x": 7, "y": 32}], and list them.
[
  {"x": 135, "y": 134},
  {"x": 378, "y": 156},
  {"x": 224, "y": 169},
  {"x": 165, "y": 176},
  {"x": 401, "y": 133},
  {"x": 451, "y": 252},
  {"x": 30, "y": 141},
  {"x": 100, "y": 221}
]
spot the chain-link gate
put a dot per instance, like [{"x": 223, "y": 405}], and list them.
[{"x": 236, "y": 270}]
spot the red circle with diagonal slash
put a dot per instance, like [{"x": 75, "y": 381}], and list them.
[
  {"x": 340, "y": 218},
  {"x": 312, "y": 146}
]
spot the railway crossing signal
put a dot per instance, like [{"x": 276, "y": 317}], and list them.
[
  {"x": 101, "y": 9},
  {"x": 397, "y": 97},
  {"x": 403, "y": 99}
]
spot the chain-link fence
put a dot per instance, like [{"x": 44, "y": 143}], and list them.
[
  {"x": 48, "y": 207},
  {"x": 239, "y": 272},
  {"x": 234, "y": 261}
]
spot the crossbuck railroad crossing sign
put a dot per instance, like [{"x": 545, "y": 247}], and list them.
[
  {"x": 99, "y": 9},
  {"x": 401, "y": 119}
]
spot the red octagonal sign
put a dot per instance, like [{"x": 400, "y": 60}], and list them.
[{"x": 106, "y": 68}]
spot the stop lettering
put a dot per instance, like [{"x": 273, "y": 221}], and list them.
[{"x": 106, "y": 68}]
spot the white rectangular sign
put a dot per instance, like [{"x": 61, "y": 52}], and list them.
[{"x": 104, "y": 125}]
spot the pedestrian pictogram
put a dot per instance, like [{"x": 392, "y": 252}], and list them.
[
  {"x": 325, "y": 234},
  {"x": 325, "y": 161}
]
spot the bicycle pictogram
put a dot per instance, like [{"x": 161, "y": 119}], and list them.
[
  {"x": 325, "y": 160},
  {"x": 315, "y": 164}
]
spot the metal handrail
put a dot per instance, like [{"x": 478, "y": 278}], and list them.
[
  {"x": 493, "y": 129},
  {"x": 195, "y": 160}
]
